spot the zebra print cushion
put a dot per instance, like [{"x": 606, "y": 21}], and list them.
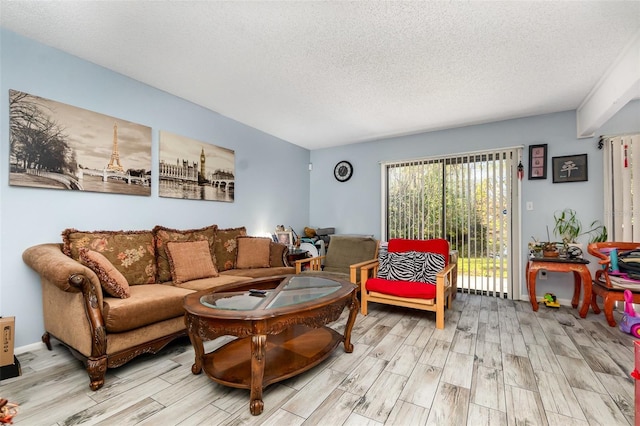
[
  {"x": 427, "y": 266},
  {"x": 410, "y": 266}
]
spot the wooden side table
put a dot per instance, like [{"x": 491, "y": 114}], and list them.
[
  {"x": 296, "y": 254},
  {"x": 581, "y": 277}
]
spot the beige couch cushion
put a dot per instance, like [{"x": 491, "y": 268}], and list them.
[
  {"x": 164, "y": 235},
  {"x": 190, "y": 260},
  {"x": 253, "y": 252},
  {"x": 259, "y": 272},
  {"x": 278, "y": 254},
  {"x": 222, "y": 279},
  {"x": 148, "y": 304}
]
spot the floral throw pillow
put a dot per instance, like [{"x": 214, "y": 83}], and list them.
[
  {"x": 112, "y": 281},
  {"x": 130, "y": 252},
  {"x": 225, "y": 249},
  {"x": 164, "y": 235}
]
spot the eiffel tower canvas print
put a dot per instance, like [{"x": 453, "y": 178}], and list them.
[{"x": 60, "y": 146}]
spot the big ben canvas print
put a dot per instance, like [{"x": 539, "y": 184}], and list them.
[{"x": 195, "y": 170}]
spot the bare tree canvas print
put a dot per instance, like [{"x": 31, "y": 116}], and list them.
[
  {"x": 195, "y": 170},
  {"x": 59, "y": 146}
]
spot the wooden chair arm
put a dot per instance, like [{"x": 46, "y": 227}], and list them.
[
  {"x": 445, "y": 279},
  {"x": 362, "y": 264},
  {"x": 600, "y": 273},
  {"x": 353, "y": 269},
  {"x": 315, "y": 263},
  {"x": 368, "y": 270},
  {"x": 594, "y": 249}
]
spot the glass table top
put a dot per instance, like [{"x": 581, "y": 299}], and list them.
[{"x": 296, "y": 290}]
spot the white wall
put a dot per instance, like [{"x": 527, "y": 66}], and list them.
[
  {"x": 272, "y": 177},
  {"x": 354, "y": 206}
]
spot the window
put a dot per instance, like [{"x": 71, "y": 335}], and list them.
[
  {"x": 621, "y": 183},
  {"x": 469, "y": 199}
]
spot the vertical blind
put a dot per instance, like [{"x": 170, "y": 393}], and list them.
[
  {"x": 469, "y": 199},
  {"x": 622, "y": 187}
]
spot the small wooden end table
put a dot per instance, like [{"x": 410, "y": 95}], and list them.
[
  {"x": 296, "y": 254},
  {"x": 581, "y": 278},
  {"x": 281, "y": 327}
]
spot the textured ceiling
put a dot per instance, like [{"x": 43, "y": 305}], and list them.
[{"x": 322, "y": 74}]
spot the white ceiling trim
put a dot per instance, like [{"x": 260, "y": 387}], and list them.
[{"x": 619, "y": 85}]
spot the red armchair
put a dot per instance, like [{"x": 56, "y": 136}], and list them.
[{"x": 423, "y": 277}]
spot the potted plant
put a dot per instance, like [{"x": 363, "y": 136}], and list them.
[
  {"x": 535, "y": 248},
  {"x": 550, "y": 249},
  {"x": 569, "y": 228},
  {"x": 545, "y": 248}
]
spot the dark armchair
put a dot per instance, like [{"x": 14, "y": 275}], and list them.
[{"x": 346, "y": 256}]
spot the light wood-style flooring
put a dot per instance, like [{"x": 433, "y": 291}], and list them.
[{"x": 495, "y": 363}]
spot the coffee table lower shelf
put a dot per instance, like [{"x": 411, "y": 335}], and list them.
[{"x": 289, "y": 353}]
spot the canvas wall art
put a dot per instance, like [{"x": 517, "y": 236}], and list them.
[
  {"x": 195, "y": 170},
  {"x": 570, "y": 168},
  {"x": 59, "y": 146}
]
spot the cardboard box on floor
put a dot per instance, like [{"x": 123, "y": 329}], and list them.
[{"x": 7, "y": 328}]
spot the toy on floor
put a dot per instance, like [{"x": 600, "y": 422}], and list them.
[
  {"x": 8, "y": 411},
  {"x": 550, "y": 300},
  {"x": 630, "y": 320}
]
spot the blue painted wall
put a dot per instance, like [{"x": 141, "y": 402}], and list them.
[
  {"x": 267, "y": 193},
  {"x": 355, "y": 206},
  {"x": 272, "y": 177}
]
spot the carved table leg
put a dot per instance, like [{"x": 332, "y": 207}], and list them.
[
  {"x": 198, "y": 348},
  {"x": 608, "y": 310},
  {"x": 594, "y": 304},
  {"x": 532, "y": 272},
  {"x": 258, "y": 349},
  {"x": 96, "y": 367},
  {"x": 587, "y": 289},
  {"x": 46, "y": 339},
  {"x": 576, "y": 289},
  {"x": 353, "y": 313}
]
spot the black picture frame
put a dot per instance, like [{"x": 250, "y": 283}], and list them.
[
  {"x": 570, "y": 168},
  {"x": 538, "y": 161}
]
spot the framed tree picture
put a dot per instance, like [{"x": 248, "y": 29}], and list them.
[
  {"x": 538, "y": 161},
  {"x": 570, "y": 168},
  {"x": 59, "y": 146}
]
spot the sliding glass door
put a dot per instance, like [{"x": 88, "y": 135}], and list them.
[{"x": 469, "y": 199}]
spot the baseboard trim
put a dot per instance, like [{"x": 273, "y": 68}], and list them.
[{"x": 28, "y": 348}]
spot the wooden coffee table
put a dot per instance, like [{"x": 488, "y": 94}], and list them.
[{"x": 280, "y": 333}]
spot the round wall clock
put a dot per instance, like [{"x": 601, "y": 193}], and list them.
[{"x": 343, "y": 171}]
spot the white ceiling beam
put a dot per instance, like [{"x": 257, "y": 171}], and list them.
[{"x": 619, "y": 85}]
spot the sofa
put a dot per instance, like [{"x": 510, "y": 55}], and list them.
[{"x": 110, "y": 296}]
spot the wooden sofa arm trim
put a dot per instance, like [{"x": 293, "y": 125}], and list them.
[{"x": 93, "y": 309}]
